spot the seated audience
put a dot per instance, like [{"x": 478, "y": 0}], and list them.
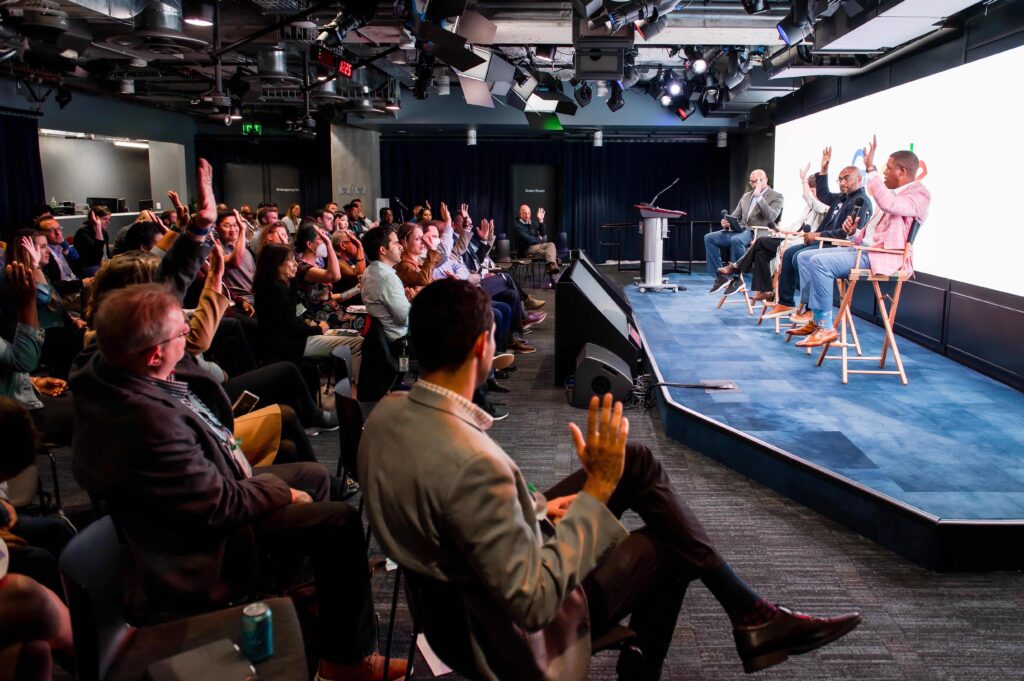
[
  {"x": 267, "y": 215},
  {"x": 351, "y": 259},
  {"x": 154, "y": 439},
  {"x": 274, "y": 233},
  {"x": 358, "y": 222},
  {"x": 314, "y": 282},
  {"x": 141, "y": 235},
  {"x": 59, "y": 270},
  {"x": 901, "y": 200},
  {"x": 387, "y": 217},
  {"x": 385, "y": 296},
  {"x": 239, "y": 266},
  {"x": 63, "y": 332},
  {"x": 287, "y": 333},
  {"x": 293, "y": 219},
  {"x": 531, "y": 240},
  {"x": 841, "y": 206},
  {"x": 416, "y": 267},
  {"x": 762, "y": 252},
  {"x": 92, "y": 241},
  {"x": 455, "y": 512},
  {"x": 758, "y": 207},
  {"x": 34, "y": 542}
]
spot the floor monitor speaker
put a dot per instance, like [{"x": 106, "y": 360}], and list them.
[{"x": 600, "y": 371}]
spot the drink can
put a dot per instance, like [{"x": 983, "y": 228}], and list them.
[{"x": 257, "y": 631}]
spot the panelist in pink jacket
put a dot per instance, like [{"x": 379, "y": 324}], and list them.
[{"x": 900, "y": 199}]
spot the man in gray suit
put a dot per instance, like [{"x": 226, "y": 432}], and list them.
[
  {"x": 496, "y": 595},
  {"x": 756, "y": 208}
]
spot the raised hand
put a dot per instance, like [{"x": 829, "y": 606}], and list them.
[
  {"x": 464, "y": 211},
  {"x": 540, "y": 215},
  {"x": 31, "y": 251},
  {"x": 94, "y": 222},
  {"x": 869, "y": 153},
  {"x": 179, "y": 208},
  {"x": 803, "y": 173},
  {"x": 206, "y": 204},
  {"x": 603, "y": 452},
  {"x": 443, "y": 212},
  {"x": 215, "y": 273},
  {"x": 21, "y": 285},
  {"x": 826, "y": 158}
]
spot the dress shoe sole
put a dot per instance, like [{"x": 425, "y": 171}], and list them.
[{"x": 770, "y": 659}]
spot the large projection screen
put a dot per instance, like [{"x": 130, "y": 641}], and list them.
[{"x": 964, "y": 124}]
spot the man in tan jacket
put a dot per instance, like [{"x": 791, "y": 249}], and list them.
[{"x": 507, "y": 600}]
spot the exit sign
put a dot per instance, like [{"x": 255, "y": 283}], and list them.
[{"x": 252, "y": 129}]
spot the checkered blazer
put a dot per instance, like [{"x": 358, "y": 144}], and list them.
[{"x": 898, "y": 211}]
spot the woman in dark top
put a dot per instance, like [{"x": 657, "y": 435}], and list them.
[{"x": 285, "y": 333}]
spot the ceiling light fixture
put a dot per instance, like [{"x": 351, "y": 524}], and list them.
[
  {"x": 236, "y": 113},
  {"x": 665, "y": 99},
  {"x": 756, "y": 6},
  {"x": 798, "y": 24},
  {"x": 197, "y": 13},
  {"x": 471, "y": 137},
  {"x": 544, "y": 53},
  {"x": 598, "y": 138},
  {"x": 131, "y": 145},
  {"x": 649, "y": 30}
]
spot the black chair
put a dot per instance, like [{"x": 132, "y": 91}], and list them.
[
  {"x": 379, "y": 366},
  {"x": 450, "y": 641},
  {"x": 108, "y": 648}
]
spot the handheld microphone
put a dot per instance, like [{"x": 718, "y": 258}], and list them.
[
  {"x": 725, "y": 213},
  {"x": 857, "y": 205}
]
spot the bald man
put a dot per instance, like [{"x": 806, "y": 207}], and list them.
[
  {"x": 756, "y": 208},
  {"x": 841, "y": 206}
]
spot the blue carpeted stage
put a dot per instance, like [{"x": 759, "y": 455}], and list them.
[{"x": 933, "y": 470}]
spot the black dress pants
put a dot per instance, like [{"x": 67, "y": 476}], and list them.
[
  {"x": 277, "y": 383},
  {"x": 647, "y": 574},
  {"x": 759, "y": 260},
  {"x": 330, "y": 533}
]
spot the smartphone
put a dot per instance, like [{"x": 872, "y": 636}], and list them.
[{"x": 245, "y": 403}]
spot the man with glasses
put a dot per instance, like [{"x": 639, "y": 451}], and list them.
[
  {"x": 841, "y": 206},
  {"x": 756, "y": 208},
  {"x": 59, "y": 270}
]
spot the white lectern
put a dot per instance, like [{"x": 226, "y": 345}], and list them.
[{"x": 654, "y": 227}]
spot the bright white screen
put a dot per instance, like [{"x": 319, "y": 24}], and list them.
[{"x": 965, "y": 125}]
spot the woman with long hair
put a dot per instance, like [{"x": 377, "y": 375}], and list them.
[
  {"x": 293, "y": 219},
  {"x": 314, "y": 283}
]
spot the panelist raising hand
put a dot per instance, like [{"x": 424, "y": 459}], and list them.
[
  {"x": 603, "y": 453},
  {"x": 826, "y": 158},
  {"x": 869, "y": 154}
]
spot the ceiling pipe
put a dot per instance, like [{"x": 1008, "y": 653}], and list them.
[{"x": 276, "y": 26}]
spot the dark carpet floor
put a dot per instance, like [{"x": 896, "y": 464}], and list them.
[{"x": 917, "y": 624}]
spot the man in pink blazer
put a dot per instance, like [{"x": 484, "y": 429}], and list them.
[{"x": 900, "y": 199}]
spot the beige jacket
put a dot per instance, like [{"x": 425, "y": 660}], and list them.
[{"x": 447, "y": 502}]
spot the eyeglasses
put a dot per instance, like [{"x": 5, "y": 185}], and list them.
[
  {"x": 754, "y": 183},
  {"x": 846, "y": 178},
  {"x": 184, "y": 333}
]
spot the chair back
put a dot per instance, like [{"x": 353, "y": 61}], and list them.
[
  {"x": 90, "y": 566},
  {"x": 433, "y": 605},
  {"x": 502, "y": 251},
  {"x": 379, "y": 367},
  {"x": 915, "y": 227}
]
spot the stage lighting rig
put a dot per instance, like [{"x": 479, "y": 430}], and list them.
[
  {"x": 353, "y": 16},
  {"x": 615, "y": 96},
  {"x": 798, "y": 24},
  {"x": 583, "y": 95},
  {"x": 673, "y": 84},
  {"x": 614, "y": 18},
  {"x": 756, "y": 6}
]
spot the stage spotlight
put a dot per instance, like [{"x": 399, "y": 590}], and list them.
[
  {"x": 615, "y": 98},
  {"x": 798, "y": 24},
  {"x": 699, "y": 66},
  {"x": 197, "y": 13},
  {"x": 236, "y": 113},
  {"x": 673, "y": 84},
  {"x": 665, "y": 99},
  {"x": 583, "y": 95},
  {"x": 756, "y": 6},
  {"x": 648, "y": 30},
  {"x": 333, "y": 33},
  {"x": 685, "y": 110},
  {"x": 63, "y": 96}
]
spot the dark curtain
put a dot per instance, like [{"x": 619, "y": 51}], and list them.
[
  {"x": 599, "y": 185},
  {"x": 21, "y": 172},
  {"x": 311, "y": 157}
]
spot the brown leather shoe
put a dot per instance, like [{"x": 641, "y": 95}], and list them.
[
  {"x": 788, "y": 633},
  {"x": 532, "y": 303},
  {"x": 369, "y": 669},
  {"x": 819, "y": 338},
  {"x": 552, "y": 268},
  {"x": 805, "y": 330},
  {"x": 780, "y": 310},
  {"x": 521, "y": 347},
  {"x": 802, "y": 318},
  {"x": 728, "y": 269},
  {"x": 763, "y": 295}
]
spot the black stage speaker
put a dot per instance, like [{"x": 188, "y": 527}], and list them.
[
  {"x": 599, "y": 371},
  {"x": 589, "y": 312}
]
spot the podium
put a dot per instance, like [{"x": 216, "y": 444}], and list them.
[{"x": 654, "y": 227}]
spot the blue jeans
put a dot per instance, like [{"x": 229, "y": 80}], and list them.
[
  {"x": 788, "y": 275},
  {"x": 824, "y": 267},
  {"x": 502, "y": 322},
  {"x": 737, "y": 243}
]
